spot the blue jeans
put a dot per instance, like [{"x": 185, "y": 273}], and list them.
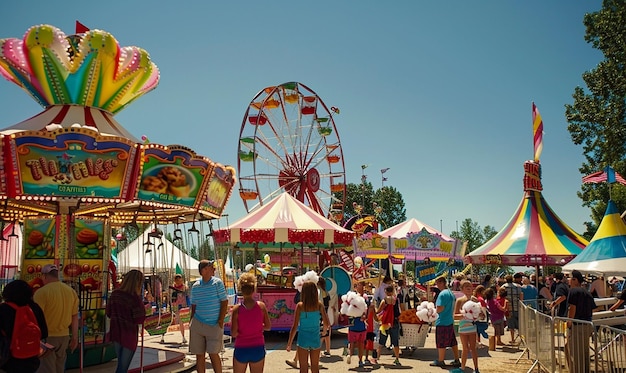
[{"x": 124, "y": 357}]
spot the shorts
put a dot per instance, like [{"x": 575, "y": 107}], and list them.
[
  {"x": 205, "y": 338},
  {"x": 309, "y": 340},
  {"x": 498, "y": 327},
  {"x": 356, "y": 337},
  {"x": 393, "y": 333},
  {"x": 513, "y": 321},
  {"x": 445, "y": 336},
  {"x": 249, "y": 354}
]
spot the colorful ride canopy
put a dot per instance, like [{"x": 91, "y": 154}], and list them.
[
  {"x": 534, "y": 235},
  {"x": 606, "y": 252}
]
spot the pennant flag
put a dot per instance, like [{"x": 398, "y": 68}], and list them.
[
  {"x": 608, "y": 175},
  {"x": 385, "y": 179},
  {"x": 537, "y": 133},
  {"x": 363, "y": 166},
  {"x": 80, "y": 28},
  {"x": 385, "y": 170},
  {"x": 179, "y": 271}
]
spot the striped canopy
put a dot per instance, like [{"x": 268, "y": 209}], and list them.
[
  {"x": 606, "y": 253},
  {"x": 284, "y": 220},
  {"x": 533, "y": 236}
]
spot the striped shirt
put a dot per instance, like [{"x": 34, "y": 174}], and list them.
[{"x": 207, "y": 297}]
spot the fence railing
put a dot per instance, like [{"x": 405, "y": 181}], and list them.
[{"x": 558, "y": 344}]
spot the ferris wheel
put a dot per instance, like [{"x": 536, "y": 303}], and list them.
[{"x": 289, "y": 143}]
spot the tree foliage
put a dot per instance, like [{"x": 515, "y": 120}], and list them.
[
  {"x": 597, "y": 117},
  {"x": 386, "y": 203},
  {"x": 475, "y": 236}
]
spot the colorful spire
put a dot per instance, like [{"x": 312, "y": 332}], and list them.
[
  {"x": 537, "y": 133},
  {"x": 88, "y": 69}
]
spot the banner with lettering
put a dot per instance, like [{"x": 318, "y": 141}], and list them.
[{"x": 78, "y": 163}]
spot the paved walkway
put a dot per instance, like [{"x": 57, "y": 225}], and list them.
[{"x": 502, "y": 360}]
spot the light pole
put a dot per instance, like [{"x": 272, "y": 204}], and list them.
[{"x": 363, "y": 180}]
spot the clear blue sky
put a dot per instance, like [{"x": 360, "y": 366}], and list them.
[{"x": 439, "y": 91}]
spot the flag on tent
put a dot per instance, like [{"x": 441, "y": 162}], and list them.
[
  {"x": 537, "y": 133},
  {"x": 607, "y": 175},
  {"x": 179, "y": 271},
  {"x": 80, "y": 28}
]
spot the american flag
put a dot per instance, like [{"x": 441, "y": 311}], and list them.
[{"x": 607, "y": 175}]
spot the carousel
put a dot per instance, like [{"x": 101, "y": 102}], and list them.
[{"x": 72, "y": 177}]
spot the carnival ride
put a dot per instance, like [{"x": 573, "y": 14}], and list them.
[
  {"x": 72, "y": 175},
  {"x": 289, "y": 142}
]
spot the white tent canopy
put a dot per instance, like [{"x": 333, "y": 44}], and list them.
[{"x": 163, "y": 257}]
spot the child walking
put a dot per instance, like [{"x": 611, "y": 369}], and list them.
[
  {"x": 179, "y": 301},
  {"x": 385, "y": 310},
  {"x": 306, "y": 323},
  {"x": 249, "y": 320},
  {"x": 497, "y": 307}
]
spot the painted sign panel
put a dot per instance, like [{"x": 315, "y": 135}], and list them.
[
  {"x": 172, "y": 175},
  {"x": 72, "y": 163},
  {"x": 218, "y": 190}
]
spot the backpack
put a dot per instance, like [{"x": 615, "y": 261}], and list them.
[{"x": 26, "y": 337}]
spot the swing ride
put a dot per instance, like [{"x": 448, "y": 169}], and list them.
[{"x": 72, "y": 176}]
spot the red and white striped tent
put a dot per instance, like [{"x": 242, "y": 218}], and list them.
[{"x": 285, "y": 220}]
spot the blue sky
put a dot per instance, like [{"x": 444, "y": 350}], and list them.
[{"x": 440, "y": 92}]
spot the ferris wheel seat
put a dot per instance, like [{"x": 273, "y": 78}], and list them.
[
  {"x": 337, "y": 187},
  {"x": 257, "y": 120},
  {"x": 333, "y": 159},
  {"x": 247, "y": 156},
  {"x": 324, "y": 131},
  {"x": 248, "y": 194},
  {"x": 291, "y": 98},
  {"x": 308, "y": 110}
]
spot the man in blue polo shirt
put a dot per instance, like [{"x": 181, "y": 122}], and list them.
[
  {"x": 444, "y": 325},
  {"x": 208, "y": 309}
]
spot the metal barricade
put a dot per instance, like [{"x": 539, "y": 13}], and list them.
[
  {"x": 578, "y": 340},
  {"x": 611, "y": 349}
]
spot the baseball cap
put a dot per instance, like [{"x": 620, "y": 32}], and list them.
[
  {"x": 205, "y": 263},
  {"x": 49, "y": 268}
]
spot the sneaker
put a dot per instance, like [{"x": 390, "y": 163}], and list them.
[
  {"x": 326, "y": 353},
  {"x": 348, "y": 359},
  {"x": 292, "y": 363},
  {"x": 367, "y": 362},
  {"x": 455, "y": 363},
  {"x": 438, "y": 363},
  {"x": 396, "y": 363},
  {"x": 360, "y": 364}
]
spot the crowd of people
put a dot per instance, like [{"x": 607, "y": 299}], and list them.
[{"x": 55, "y": 306}]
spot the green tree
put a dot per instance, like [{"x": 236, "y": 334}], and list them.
[
  {"x": 597, "y": 117},
  {"x": 386, "y": 203},
  {"x": 475, "y": 236}
]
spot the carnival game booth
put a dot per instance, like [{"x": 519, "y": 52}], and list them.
[
  {"x": 72, "y": 176},
  {"x": 286, "y": 224},
  {"x": 534, "y": 236}
]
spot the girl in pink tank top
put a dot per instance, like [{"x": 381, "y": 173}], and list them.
[{"x": 249, "y": 339}]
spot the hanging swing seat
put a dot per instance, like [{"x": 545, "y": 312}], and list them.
[
  {"x": 247, "y": 156},
  {"x": 337, "y": 187},
  {"x": 291, "y": 98},
  {"x": 324, "y": 131}
]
